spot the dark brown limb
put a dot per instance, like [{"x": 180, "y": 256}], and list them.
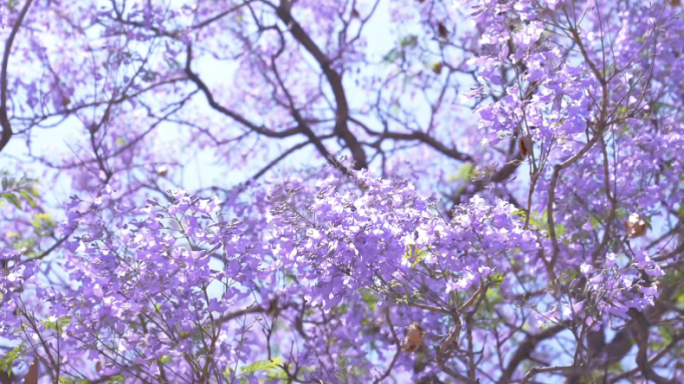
[{"x": 4, "y": 118}]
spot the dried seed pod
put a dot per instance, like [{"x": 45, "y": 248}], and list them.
[
  {"x": 442, "y": 30},
  {"x": 413, "y": 339},
  {"x": 98, "y": 366},
  {"x": 636, "y": 226},
  {"x": 355, "y": 13},
  {"x": 525, "y": 145},
  {"x": 163, "y": 171},
  {"x": 437, "y": 68},
  {"x": 676, "y": 3}
]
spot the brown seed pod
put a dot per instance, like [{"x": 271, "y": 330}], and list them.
[
  {"x": 636, "y": 226},
  {"x": 413, "y": 339},
  {"x": 98, "y": 366},
  {"x": 442, "y": 30},
  {"x": 525, "y": 145},
  {"x": 437, "y": 68},
  {"x": 163, "y": 171},
  {"x": 355, "y": 13},
  {"x": 676, "y": 3}
]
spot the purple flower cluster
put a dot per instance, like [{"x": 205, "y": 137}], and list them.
[{"x": 524, "y": 223}]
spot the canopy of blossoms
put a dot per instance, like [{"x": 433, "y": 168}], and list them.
[{"x": 327, "y": 191}]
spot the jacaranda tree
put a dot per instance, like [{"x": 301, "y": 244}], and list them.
[{"x": 342, "y": 191}]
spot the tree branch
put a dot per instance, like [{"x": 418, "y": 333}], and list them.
[
  {"x": 526, "y": 348},
  {"x": 4, "y": 119},
  {"x": 216, "y": 106},
  {"x": 335, "y": 81}
]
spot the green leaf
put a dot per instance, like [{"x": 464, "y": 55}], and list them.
[
  {"x": 409, "y": 41},
  {"x": 494, "y": 296},
  {"x": 118, "y": 379},
  {"x": 416, "y": 254},
  {"x": 10, "y": 357},
  {"x": 58, "y": 324},
  {"x": 12, "y": 5},
  {"x": 464, "y": 173},
  {"x": 42, "y": 222},
  {"x": 262, "y": 366},
  {"x": 282, "y": 375},
  {"x": 69, "y": 380},
  {"x": 370, "y": 299},
  {"x": 12, "y": 199},
  {"x": 391, "y": 56},
  {"x": 680, "y": 210},
  {"x": 226, "y": 373},
  {"x": 28, "y": 198},
  {"x": 497, "y": 279}
]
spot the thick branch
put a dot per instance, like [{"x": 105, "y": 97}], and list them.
[
  {"x": 396, "y": 354},
  {"x": 4, "y": 118},
  {"x": 335, "y": 81},
  {"x": 277, "y": 160},
  {"x": 654, "y": 359},
  {"x": 216, "y": 106},
  {"x": 429, "y": 140},
  {"x": 641, "y": 335},
  {"x": 526, "y": 348},
  {"x": 500, "y": 176}
]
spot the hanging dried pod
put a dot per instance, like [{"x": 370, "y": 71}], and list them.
[
  {"x": 442, "y": 30},
  {"x": 98, "y": 366},
  {"x": 413, "y": 339},
  {"x": 163, "y": 171},
  {"x": 525, "y": 145},
  {"x": 676, "y": 3},
  {"x": 437, "y": 68},
  {"x": 636, "y": 226}
]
